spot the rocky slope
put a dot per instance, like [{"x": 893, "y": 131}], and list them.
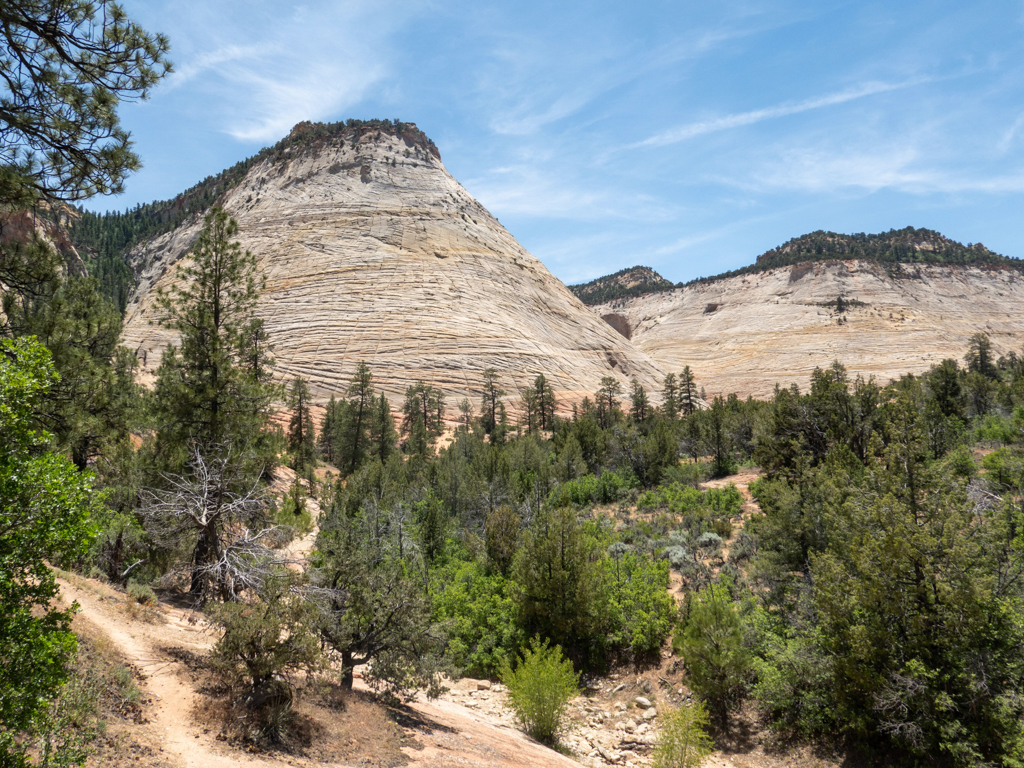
[
  {"x": 747, "y": 332},
  {"x": 373, "y": 252}
]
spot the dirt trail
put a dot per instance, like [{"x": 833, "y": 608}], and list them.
[
  {"x": 441, "y": 733},
  {"x": 145, "y": 644}
]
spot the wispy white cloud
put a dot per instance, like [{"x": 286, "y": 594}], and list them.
[
  {"x": 726, "y": 122},
  {"x": 521, "y": 105},
  {"x": 901, "y": 167},
  {"x": 532, "y": 190},
  {"x": 204, "y": 62},
  {"x": 261, "y": 67},
  {"x": 1010, "y": 136},
  {"x": 278, "y": 103}
]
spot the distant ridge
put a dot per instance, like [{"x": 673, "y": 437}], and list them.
[
  {"x": 897, "y": 246},
  {"x": 626, "y": 283}
]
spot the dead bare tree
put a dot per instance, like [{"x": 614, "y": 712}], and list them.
[{"x": 225, "y": 524}]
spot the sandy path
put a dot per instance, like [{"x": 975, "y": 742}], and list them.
[
  {"x": 143, "y": 644},
  {"x": 453, "y": 735},
  {"x": 446, "y": 733}
]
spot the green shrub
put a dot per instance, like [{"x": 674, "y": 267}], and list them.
[
  {"x": 294, "y": 512},
  {"x": 591, "y": 489},
  {"x": 961, "y": 462},
  {"x": 724, "y": 502},
  {"x": 641, "y": 610},
  {"x": 1004, "y": 468},
  {"x": 539, "y": 689},
  {"x": 687, "y": 474},
  {"x": 478, "y": 613},
  {"x": 262, "y": 642},
  {"x": 998, "y": 429},
  {"x": 683, "y": 742},
  {"x": 141, "y": 594}
]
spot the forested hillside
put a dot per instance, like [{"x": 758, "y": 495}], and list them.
[
  {"x": 897, "y": 246},
  {"x": 635, "y": 281}
]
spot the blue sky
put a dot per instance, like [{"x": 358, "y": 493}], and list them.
[{"x": 686, "y": 136}]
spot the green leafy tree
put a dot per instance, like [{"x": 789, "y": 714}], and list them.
[
  {"x": 92, "y": 404},
  {"x": 539, "y": 689},
  {"x": 301, "y": 432},
  {"x": 642, "y": 612},
  {"x": 45, "y": 509},
  {"x": 204, "y": 394}
]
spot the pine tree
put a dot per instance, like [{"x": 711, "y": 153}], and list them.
[
  {"x": 81, "y": 330},
  {"x": 979, "y": 357},
  {"x": 687, "y": 392},
  {"x": 204, "y": 393},
  {"x": 327, "y": 429},
  {"x": 489, "y": 411},
  {"x": 426, "y": 404},
  {"x": 670, "y": 397},
  {"x": 256, "y": 355},
  {"x": 530, "y": 410},
  {"x": 66, "y": 67},
  {"x": 383, "y": 436},
  {"x": 640, "y": 408},
  {"x": 354, "y": 428},
  {"x": 301, "y": 432},
  {"x": 465, "y": 414},
  {"x": 545, "y": 401},
  {"x": 607, "y": 402}
]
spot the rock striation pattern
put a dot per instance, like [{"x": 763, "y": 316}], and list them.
[
  {"x": 744, "y": 334},
  {"x": 373, "y": 252}
]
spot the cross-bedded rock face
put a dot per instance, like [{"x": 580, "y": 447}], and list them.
[
  {"x": 744, "y": 334},
  {"x": 373, "y": 252}
]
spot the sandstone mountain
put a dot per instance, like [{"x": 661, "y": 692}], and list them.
[
  {"x": 768, "y": 325},
  {"x": 373, "y": 252}
]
